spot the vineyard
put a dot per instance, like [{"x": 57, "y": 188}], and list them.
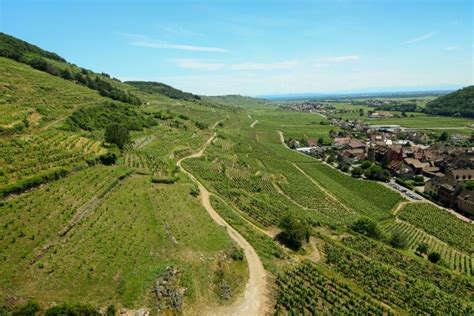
[
  {"x": 268, "y": 250},
  {"x": 454, "y": 259},
  {"x": 393, "y": 286},
  {"x": 28, "y": 224},
  {"x": 144, "y": 162},
  {"x": 51, "y": 149},
  {"x": 307, "y": 289},
  {"x": 355, "y": 194},
  {"x": 441, "y": 224},
  {"x": 115, "y": 252},
  {"x": 38, "y": 96},
  {"x": 440, "y": 277}
]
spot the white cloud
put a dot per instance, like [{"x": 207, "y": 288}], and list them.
[
  {"x": 140, "y": 40},
  {"x": 206, "y": 65},
  {"x": 153, "y": 44},
  {"x": 421, "y": 38},
  {"x": 197, "y": 64},
  {"x": 339, "y": 59},
  {"x": 453, "y": 48},
  {"x": 265, "y": 66}
]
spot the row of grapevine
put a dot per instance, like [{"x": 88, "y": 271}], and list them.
[
  {"x": 394, "y": 286},
  {"x": 22, "y": 158},
  {"x": 456, "y": 260},
  {"x": 29, "y": 221},
  {"x": 365, "y": 197},
  {"x": 144, "y": 162},
  {"x": 442, "y": 278},
  {"x": 441, "y": 224},
  {"x": 306, "y": 290}
]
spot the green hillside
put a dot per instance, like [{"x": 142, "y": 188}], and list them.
[
  {"x": 239, "y": 101},
  {"x": 77, "y": 231},
  {"x": 458, "y": 103},
  {"x": 55, "y": 65},
  {"x": 161, "y": 88}
]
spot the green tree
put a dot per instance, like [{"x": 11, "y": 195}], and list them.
[
  {"x": 399, "y": 240},
  {"x": 434, "y": 257},
  {"x": 366, "y": 164},
  {"x": 361, "y": 112},
  {"x": 117, "y": 134},
  {"x": 356, "y": 172},
  {"x": 320, "y": 141},
  {"x": 367, "y": 227},
  {"x": 469, "y": 185},
  {"x": 422, "y": 248},
  {"x": 443, "y": 137},
  {"x": 294, "y": 232}
]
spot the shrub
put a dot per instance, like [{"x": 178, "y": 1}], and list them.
[
  {"x": 111, "y": 310},
  {"x": 109, "y": 158},
  {"x": 422, "y": 248},
  {"x": 434, "y": 257},
  {"x": 356, "y": 172},
  {"x": 25, "y": 184},
  {"x": 29, "y": 309},
  {"x": 294, "y": 232},
  {"x": 366, "y": 164},
  {"x": 237, "y": 254},
  {"x": 72, "y": 310},
  {"x": 367, "y": 227},
  {"x": 117, "y": 134},
  {"x": 399, "y": 240}
]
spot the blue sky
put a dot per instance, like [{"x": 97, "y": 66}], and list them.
[{"x": 258, "y": 47}]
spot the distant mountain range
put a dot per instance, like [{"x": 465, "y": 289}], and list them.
[{"x": 362, "y": 94}]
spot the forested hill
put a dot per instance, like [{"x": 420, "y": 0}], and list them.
[
  {"x": 53, "y": 64},
  {"x": 161, "y": 88},
  {"x": 457, "y": 103}
]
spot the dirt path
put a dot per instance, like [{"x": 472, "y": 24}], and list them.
[
  {"x": 399, "y": 207},
  {"x": 217, "y": 123},
  {"x": 253, "y": 124},
  {"x": 254, "y": 299}
]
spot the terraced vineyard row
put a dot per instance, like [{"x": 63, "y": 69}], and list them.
[
  {"x": 456, "y": 260},
  {"x": 48, "y": 150},
  {"x": 442, "y": 278},
  {"x": 441, "y": 224},
  {"x": 144, "y": 162},
  {"x": 303, "y": 191},
  {"x": 394, "y": 286},
  {"x": 306, "y": 290},
  {"x": 365, "y": 197},
  {"x": 29, "y": 221}
]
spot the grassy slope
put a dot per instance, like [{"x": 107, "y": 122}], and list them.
[
  {"x": 40, "y": 97},
  {"x": 239, "y": 101},
  {"x": 117, "y": 253}
]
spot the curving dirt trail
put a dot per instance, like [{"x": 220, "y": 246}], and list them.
[{"x": 254, "y": 299}]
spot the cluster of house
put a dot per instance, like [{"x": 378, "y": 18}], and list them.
[
  {"x": 380, "y": 114},
  {"x": 444, "y": 168},
  {"x": 307, "y": 106}
]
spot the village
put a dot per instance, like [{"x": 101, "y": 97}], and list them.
[{"x": 419, "y": 164}]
